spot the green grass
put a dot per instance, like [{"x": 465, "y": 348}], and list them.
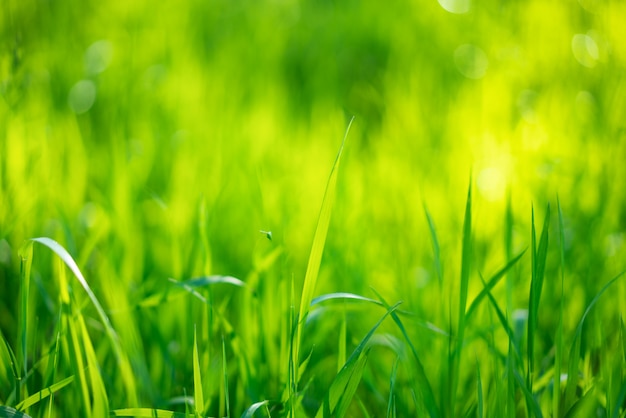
[{"x": 184, "y": 233}]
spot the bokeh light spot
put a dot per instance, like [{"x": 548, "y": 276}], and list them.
[
  {"x": 82, "y": 96},
  {"x": 455, "y": 6},
  {"x": 491, "y": 184},
  {"x": 585, "y": 50},
  {"x": 471, "y": 61},
  {"x": 98, "y": 57}
]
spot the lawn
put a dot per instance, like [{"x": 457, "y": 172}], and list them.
[{"x": 312, "y": 208}]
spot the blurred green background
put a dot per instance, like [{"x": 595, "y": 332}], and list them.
[{"x": 130, "y": 130}]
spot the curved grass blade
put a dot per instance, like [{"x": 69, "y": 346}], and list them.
[
  {"x": 124, "y": 364},
  {"x": 572, "y": 370},
  {"x": 317, "y": 249},
  {"x": 344, "y": 384},
  {"x": 493, "y": 281},
  {"x": 14, "y": 366},
  {"x": 503, "y": 322},
  {"x": 8, "y": 412},
  {"x": 43, "y": 394},
  {"x": 249, "y": 413},
  {"x": 533, "y": 406},
  {"x": 343, "y": 295},
  {"x": 422, "y": 380}
]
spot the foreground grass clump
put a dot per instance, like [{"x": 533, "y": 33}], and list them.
[{"x": 220, "y": 346}]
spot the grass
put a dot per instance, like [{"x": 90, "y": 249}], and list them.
[{"x": 184, "y": 233}]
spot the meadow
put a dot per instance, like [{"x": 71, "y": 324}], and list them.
[{"x": 312, "y": 208}]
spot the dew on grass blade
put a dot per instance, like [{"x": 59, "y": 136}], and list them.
[{"x": 82, "y": 96}]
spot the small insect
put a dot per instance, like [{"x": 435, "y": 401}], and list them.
[{"x": 268, "y": 234}]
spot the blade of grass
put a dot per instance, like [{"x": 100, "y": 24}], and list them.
[
  {"x": 351, "y": 387},
  {"x": 341, "y": 351},
  {"x": 423, "y": 383},
  {"x": 508, "y": 246},
  {"x": 466, "y": 256},
  {"x": 99, "y": 400},
  {"x": 125, "y": 368},
  {"x": 26, "y": 259},
  {"x": 344, "y": 384},
  {"x": 317, "y": 249},
  {"x": 558, "y": 355},
  {"x": 533, "y": 406},
  {"x": 8, "y": 352},
  {"x": 249, "y": 413},
  {"x": 491, "y": 283},
  {"x": 479, "y": 390},
  {"x": 503, "y": 322},
  {"x": 8, "y": 412},
  {"x": 435, "y": 244},
  {"x": 43, "y": 394},
  {"x": 225, "y": 373},
  {"x": 392, "y": 387},
  {"x": 539, "y": 255},
  {"x": 198, "y": 395},
  {"x": 572, "y": 370},
  {"x": 621, "y": 398}
]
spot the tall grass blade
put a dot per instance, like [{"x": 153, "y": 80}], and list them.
[
  {"x": 558, "y": 355},
  {"x": 344, "y": 383},
  {"x": 198, "y": 395},
  {"x": 479, "y": 390},
  {"x": 99, "y": 399},
  {"x": 466, "y": 257},
  {"x": 26, "y": 259},
  {"x": 317, "y": 249},
  {"x": 225, "y": 375},
  {"x": 125, "y": 369},
  {"x": 539, "y": 255}
]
